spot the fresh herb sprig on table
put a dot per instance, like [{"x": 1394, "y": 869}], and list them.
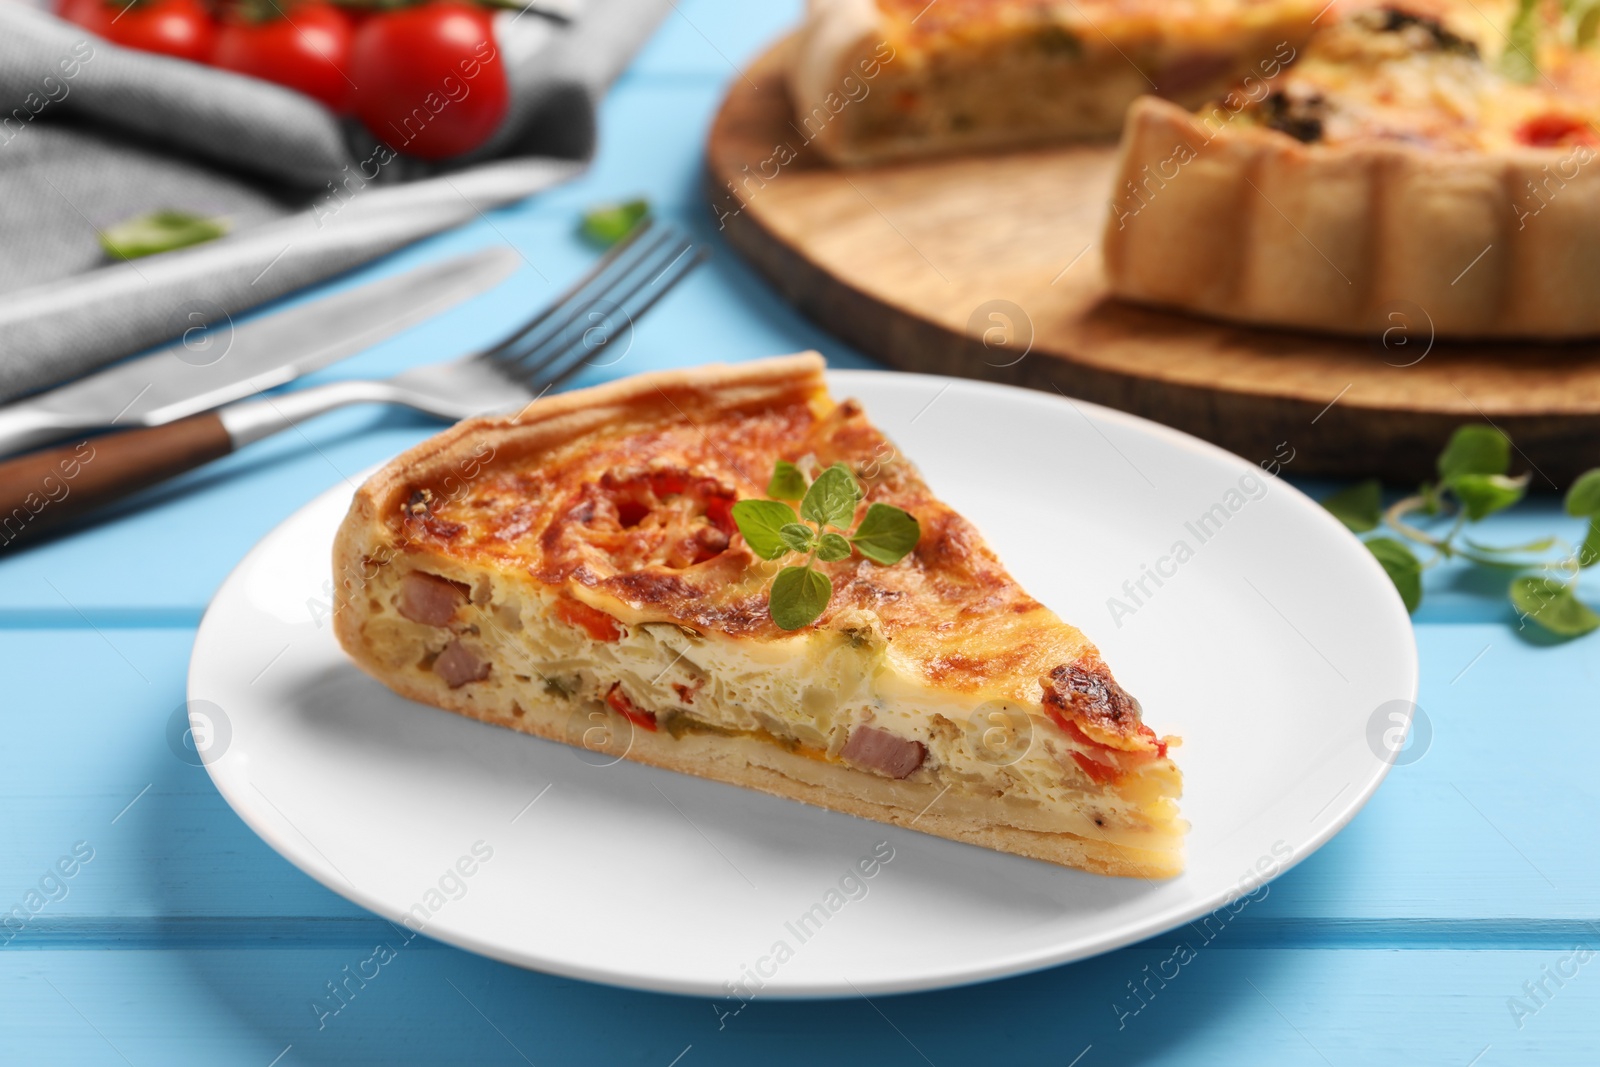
[
  {"x": 800, "y": 593},
  {"x": 1473, "y": 484},
  {"x": 606, "y": 224}
]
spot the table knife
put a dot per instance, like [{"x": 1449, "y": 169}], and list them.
[{"x": 222, "y": 363}]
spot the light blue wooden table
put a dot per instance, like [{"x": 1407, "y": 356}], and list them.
[{"x": 1468, "y": 881}]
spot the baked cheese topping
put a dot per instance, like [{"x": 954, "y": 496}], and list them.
[
  {"x": 1394, "y": 74},
  {"x": 949, "y": 21},
  {"x": 535, "y": 573},
  {"x": 636, "y": 523}
]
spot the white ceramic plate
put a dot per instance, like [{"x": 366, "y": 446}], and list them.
[{"x": 1275, "y": 648}]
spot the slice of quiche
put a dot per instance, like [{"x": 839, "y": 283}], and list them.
[
  {"x": 575, "y": 572},
  {"x": 873, "y": 80},
  {"x": 1419, "y": 168}
]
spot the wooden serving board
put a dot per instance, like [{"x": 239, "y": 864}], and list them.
[{"x": 989, "y": 267}]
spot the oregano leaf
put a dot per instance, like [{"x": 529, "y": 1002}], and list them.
[
  {"x": 787, "y": 483},
  {"x": 833, "y": 547},
  {"x": 1583, "y": 499},
  {"x": 797, "y": 535},
  {"x": 799, "y": 597},
  {"x": 886, "y": 534},
  {"x": 1474, "y": 450},
  {"x": 1360, "y": 506},
  {"x": 1431, "y": 504},
  {"x": 831, "y": 500},
  {"x": 1553, "y": 605},
  {"x": 761, "y": 522},
  {"x": 1402, "y": 567},
  {"x": 1484, "y": 494},
  {"x": 607, "y": 224},
  {"x": 1589, "y": 551}
]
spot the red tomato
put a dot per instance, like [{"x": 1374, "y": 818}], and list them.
[
  {"x": 429, "y": 79},
  {"x": 1096, "y": 770},
  {"x": 1548, "y": 131},
  {"x": 596, "y": 623},
  {"x": 179, "y": 28},
  {"x": 628, "y": 709},
  {"x": 307, "y": 49}
]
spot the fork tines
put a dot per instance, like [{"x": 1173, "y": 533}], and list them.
[{"x": 598, "y": 311}]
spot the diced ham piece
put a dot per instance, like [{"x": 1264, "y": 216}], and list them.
[
  {"x": 458, "y": 665},
  {"x": 430, "y": 599},
  {"x": 878, "y": 750}
]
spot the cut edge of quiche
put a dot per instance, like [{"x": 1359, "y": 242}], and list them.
[
  {"x": 880, "y": 80},
  {"x": 1393, "y": 178},
  {"x": 571, "y": 573}
]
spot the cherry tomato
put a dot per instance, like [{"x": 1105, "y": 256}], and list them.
[
  {"x": 179, "y": 28},
  {"x": 307, "y": 49},
  {"x": 429, "y": 79},
  {"x": 1549, "y": 131}
]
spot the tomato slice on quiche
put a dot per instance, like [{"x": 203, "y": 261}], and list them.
[{"x": 575, "y": 572}]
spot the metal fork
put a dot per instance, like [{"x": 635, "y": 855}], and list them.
[{"x": 596, "y": 313}]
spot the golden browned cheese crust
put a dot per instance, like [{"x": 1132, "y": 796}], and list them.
[{"x": 633, "y": 518}]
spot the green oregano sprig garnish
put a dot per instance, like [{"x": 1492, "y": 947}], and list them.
[
  {"x": 800, "y": 593},
  {"x": 1473, "y": 484}
]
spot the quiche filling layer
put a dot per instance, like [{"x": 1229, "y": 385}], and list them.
[
  {"x": 828, "y": 696},
  {"x": 595, "y": 590},
  {"x": 963, "y": 74}
]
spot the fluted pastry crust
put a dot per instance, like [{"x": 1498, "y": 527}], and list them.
[{"x": 1337, "y": 202}]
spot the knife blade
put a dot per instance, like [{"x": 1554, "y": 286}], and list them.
[{"x": 218, "y": 364}]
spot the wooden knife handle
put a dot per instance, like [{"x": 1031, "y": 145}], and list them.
[{"x": 44, "y": 489}]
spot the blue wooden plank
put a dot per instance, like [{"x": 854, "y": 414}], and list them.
[
  {"x": 711, "y": 39},
  {"x": 1152, "y": 1004}
]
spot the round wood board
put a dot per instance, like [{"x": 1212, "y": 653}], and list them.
[{"x": 989, "y": 267}]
